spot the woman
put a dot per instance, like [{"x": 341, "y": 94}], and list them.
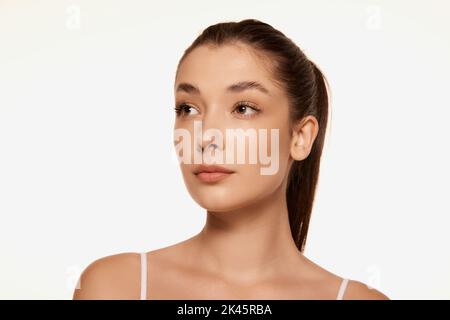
[{"x": 244, "y": 77}]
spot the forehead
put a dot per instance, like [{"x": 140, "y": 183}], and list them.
[{"x": 216, "y": 67}]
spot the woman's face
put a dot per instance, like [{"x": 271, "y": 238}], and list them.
[{"x": 230, "y": 88}]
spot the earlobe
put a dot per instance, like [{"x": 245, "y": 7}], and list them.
[{"x": 297, "y": 148}]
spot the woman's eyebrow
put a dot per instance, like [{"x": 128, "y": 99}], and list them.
[
  {"x": 236, "y": 87},
  {"x": 246, "y": 85}
]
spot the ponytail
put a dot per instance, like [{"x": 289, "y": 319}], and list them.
[{"x": 304, "y": 174}]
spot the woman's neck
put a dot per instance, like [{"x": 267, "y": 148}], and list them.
[{"x": 248, "y": 243}]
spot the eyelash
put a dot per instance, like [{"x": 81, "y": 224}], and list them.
[{"x": 180, "y": 109}]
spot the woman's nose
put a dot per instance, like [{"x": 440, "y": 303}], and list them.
[{"x": 212, "y": 131}]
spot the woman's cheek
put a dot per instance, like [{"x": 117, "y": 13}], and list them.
[{"x": 250, "y": 183}]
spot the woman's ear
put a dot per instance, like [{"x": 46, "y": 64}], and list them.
[{"x": 303, "y": 136}]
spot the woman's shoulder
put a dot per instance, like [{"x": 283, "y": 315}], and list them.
[
  {"x": 115, "y": 276},
  {"x": 352, "y": 289},
  {"x": 357, "y": 290}
]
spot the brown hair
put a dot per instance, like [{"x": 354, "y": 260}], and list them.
[{"x": 306, "y": 88}]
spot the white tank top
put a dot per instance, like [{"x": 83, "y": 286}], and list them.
[{"x": 340, "y": 294}]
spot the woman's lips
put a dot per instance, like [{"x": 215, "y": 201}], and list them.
[
  {"x": 212, "y": 176},
  {"x": 211, "y": 173}
]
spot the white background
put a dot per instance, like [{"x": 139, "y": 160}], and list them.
[{"x": 87, "y": 167}]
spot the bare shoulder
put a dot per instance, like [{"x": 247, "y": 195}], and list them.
[
  {"x": 357, "y": 290},
  {"x": 112, "y": 277},
  {"x": 331, "y": 284}
]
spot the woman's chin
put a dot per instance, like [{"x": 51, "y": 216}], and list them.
[
  {"x": 217, "y": 206},
  {"x": 215, "y": 203}
]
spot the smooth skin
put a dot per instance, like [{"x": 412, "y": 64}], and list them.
[{"x": 245, "y": 250}]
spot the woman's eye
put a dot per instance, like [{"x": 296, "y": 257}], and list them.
[
  {"x": 184, "y": 110},
  {"x": 246, "y": 110}
]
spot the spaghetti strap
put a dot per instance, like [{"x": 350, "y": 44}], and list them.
[
  {"x": 143, "y": 276},
  {"x": 342, "y": 288}
]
